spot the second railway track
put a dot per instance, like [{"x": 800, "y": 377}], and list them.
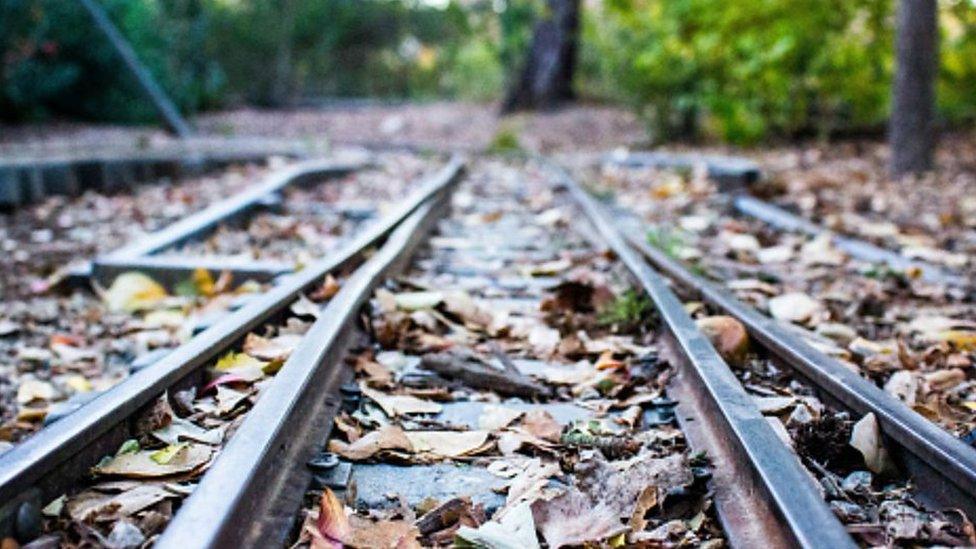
[{"x": 504, "y": 362}]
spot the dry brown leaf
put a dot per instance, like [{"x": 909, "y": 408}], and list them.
[
  {"x": 274, "y": 349},
  {"x": 572, "y": 519},
  {"x": 541, "y": 424},
  {"x": 94, "y": 505},
  {"x": 141, "y": 464},
  {"x": 383, "y": 534},
  {"x": 447, "y": 443},
  {"x": 399, "y": 405},
  {"x": 388, "y": 437},
  {"x": 494, "y": 418},
  {"x": 332, "y": 526}
]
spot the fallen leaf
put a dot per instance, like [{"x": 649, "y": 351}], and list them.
[
  {"x": 166, "y": 455},
  {"x": 516, "y": 530},
  {"x": 180, "y": 429},
  {"x": 572, "y": 519},
  {"x": 273, "y": 349},
  {"x": 228, "y": 399},
  {"x": 607, "y": 362},
  {"x": 866, "y": 438},
  {"x": 495, "y": 418},
  {"x": 415, "y": 301},
  {"x": 239, "y": 361},
  {"x": 329, "y": 288},
  {"x": 142, "y": 465},
  {"x": 304, "y": 306},
  {"x": 332, "y": 525},
  {"x": 133, "y": 291},
  {"x": 388, "y": 437},
  {"x": 541, "y": 424},
  {"x": 398, "y": 405},
  {"x": 793, "y": 307},
  {"x": 381, "y": 534},
  {"x": 646, "y": 501},
  {"x": 447, "y": 443},
  {"x": 93, "y": 505},
  {"x": 34, "y": 389}
]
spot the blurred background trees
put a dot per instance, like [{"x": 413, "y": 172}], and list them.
[{"x": 739, "y": 71}]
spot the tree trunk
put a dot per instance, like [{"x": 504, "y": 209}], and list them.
[
  {"x": 547, "y": 76},
  {"x": 281, "y": 85},
  {"x": 912, "y": 130}
]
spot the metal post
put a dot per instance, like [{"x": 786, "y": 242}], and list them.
[{"x": 170, "y": 115}]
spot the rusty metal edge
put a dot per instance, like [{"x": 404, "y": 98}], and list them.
[
  {"x": 253, "y": 491},
  {"x": 795, "y": 510},
  {"x": 943, "y": 467},
  {"x": 43, "y": 466}
]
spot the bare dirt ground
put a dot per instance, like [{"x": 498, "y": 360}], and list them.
[{"x": 427, "y": 125}]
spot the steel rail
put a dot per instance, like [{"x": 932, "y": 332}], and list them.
[
  {"x": 169, "y": 270},
  {"x": 729, "y": 171},
  {"x": 942, "y": 466},
  {"x": 252, "y": 492},
  {"x": 783, "y": 506},
  {"x": 42, "y": 467},
  {"x": 211, "y": 216},
  {"x": 742, "y": 172},
  {"x": 865, "y": 251}
]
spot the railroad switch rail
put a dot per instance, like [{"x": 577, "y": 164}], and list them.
[
  {"x": 943, "y": 467},
  {"x": 47, "y": 464}
]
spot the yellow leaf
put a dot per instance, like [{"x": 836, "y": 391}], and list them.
[
  {"x": 78, "y": 383},
  {"x": 236, "y": 361},
  {"x": 167, "y": 454},
  {"x": 961, "y": 339},
  {"x": 203, "y": 280},
  {"x": 133, "y": 291}
]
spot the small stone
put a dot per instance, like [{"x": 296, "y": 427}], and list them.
[
  {"x": 858, "y": 482},
  {"x": 124, "y": 535},
  {"x": 848, "y": 512},
  {"x": 728, "y": 336},
  {"x": 793, "y": 307}
]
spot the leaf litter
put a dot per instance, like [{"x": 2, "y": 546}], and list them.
[
  {"x": 134, "y": 493},
  {"x": 518, "y": 330}
]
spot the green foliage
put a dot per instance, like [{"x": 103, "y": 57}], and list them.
[
  {"x": 747, "y": 70},
  {"x": 669, "y": 242},
  {"x": 505, "y": 141},
  {"x": 56, "y": 62},
  {"x": 627, "y": 311}
]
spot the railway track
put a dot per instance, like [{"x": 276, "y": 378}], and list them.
[
  {"x": 56, "y": 456},
  {"x": 489, "y": 336}
]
